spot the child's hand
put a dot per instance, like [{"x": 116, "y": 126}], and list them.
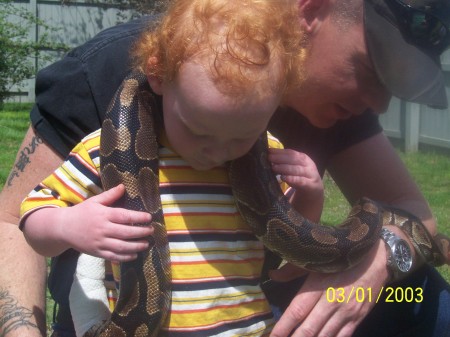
[
  {"x": 95, "y": 228},
  {"x": 298, "y": 170}
]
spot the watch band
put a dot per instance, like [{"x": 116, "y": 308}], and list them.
[
  {"x": 399, "y": 259},
  {"x": 385, "y": 236},
  {"x": 425, "y": 245},
  {"x": 388, "y": 236}
]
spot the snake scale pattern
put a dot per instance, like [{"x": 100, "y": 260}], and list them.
[{"x": 129, "y": 155}]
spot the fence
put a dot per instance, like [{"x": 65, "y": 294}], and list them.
[
  {"x": 416, "y": 124},
  {"x": 76, "y": 22}
]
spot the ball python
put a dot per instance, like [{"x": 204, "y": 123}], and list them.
[{"x": 129, "y": 155}]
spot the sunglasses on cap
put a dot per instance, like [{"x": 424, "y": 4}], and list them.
[{"x": 422, "y": 25}]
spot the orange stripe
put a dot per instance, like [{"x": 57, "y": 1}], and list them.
[{"x": 37, "y": 199}]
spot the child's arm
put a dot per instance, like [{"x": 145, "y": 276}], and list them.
[
  {"x": 90, "y": 227},
  {"x": 299, "y": 172}
]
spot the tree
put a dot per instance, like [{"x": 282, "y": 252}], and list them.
[
  {"x": 139, "y": 7},
  {"x": 144, "y": 6},
  {"x": 17, "y": 52}
]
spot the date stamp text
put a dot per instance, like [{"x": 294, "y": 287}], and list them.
[{"x": 386, "y": 294}]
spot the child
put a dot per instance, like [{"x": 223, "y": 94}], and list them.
[{"x": 220, "y": 69}]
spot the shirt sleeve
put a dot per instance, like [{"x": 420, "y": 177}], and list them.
[
  {"x": 76, "y": 180},
  {"x": 73, "y": 94},
  {"x": 274, "y": 143}
]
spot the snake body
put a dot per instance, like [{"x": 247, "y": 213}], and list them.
[
  {"x": 287, "y": 233},
  {"x": 129, "y": 155}
]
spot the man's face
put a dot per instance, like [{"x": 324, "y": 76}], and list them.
[{"x": 340, "y": 79}]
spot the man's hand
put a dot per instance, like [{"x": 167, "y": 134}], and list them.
[{"x": 316, "y": 314}]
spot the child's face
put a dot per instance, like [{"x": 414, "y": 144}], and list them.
[{"x": 204, "y": 126}]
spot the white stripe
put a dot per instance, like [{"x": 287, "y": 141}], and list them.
[
  {"x": 81, "y": 178},
  {"x": 77, "y": 188},
  {"x": 237, "y": 245},
  {"x": 211, "y": 293},
  {"x": 185, "y": 252},
  {"x": 197, "y": 197},
  {"x": 186, "y": 209},
  {"x": 164, "y": 162},
  {"x": 96, "y": 161},
  {"x": 209, "y": 302}
]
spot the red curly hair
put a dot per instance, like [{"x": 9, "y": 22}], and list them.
[{"x": 243, "y": 43}]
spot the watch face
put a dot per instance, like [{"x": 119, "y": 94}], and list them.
[{"x": 402, "y": 256}]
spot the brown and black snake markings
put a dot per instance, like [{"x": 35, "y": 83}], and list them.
[{"x": 129, "y": 155}]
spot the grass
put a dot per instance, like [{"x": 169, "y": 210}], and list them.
[
  {"x": 430, "y": 170},
  {"x": 14, "y": 121}
]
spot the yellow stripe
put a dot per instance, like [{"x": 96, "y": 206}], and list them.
[
  {"x": 230, "y": 297},
  {"x": 197, "y": 222},
  {"x": 216, "y": 315},
  {"x": 216, "y": 270},
  {"x": 92, "y": 141},
  {"x": 187, "y": 175}
]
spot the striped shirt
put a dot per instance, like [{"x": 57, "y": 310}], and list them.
[{"x": 216, "y": 260}]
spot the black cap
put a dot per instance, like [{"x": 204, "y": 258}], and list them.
[{"x": 405, "y": 39}]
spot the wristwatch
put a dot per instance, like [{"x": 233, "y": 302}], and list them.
[{"x": 399, "y": 258}]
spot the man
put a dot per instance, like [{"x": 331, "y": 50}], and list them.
[{"x": 361, "y": 52}]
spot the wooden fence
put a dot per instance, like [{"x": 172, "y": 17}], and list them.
[{"x": 78, "y": 21}]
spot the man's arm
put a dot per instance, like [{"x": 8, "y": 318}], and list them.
[
  {"x": 23, "y": 272},
  {"x": 373, "y": 169},
  {"x": 370, "y": 168}
]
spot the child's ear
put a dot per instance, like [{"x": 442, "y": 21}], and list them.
[{"x": 154, "y": 81}]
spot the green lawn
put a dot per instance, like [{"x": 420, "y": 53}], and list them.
[
  {"x": 431, "y": 171},
  {"x": 14, "y": 121}
]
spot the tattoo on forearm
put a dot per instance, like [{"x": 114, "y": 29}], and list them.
[
  {"x": 13, "y": 316},
  {"x": 24, "y": 159}
]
